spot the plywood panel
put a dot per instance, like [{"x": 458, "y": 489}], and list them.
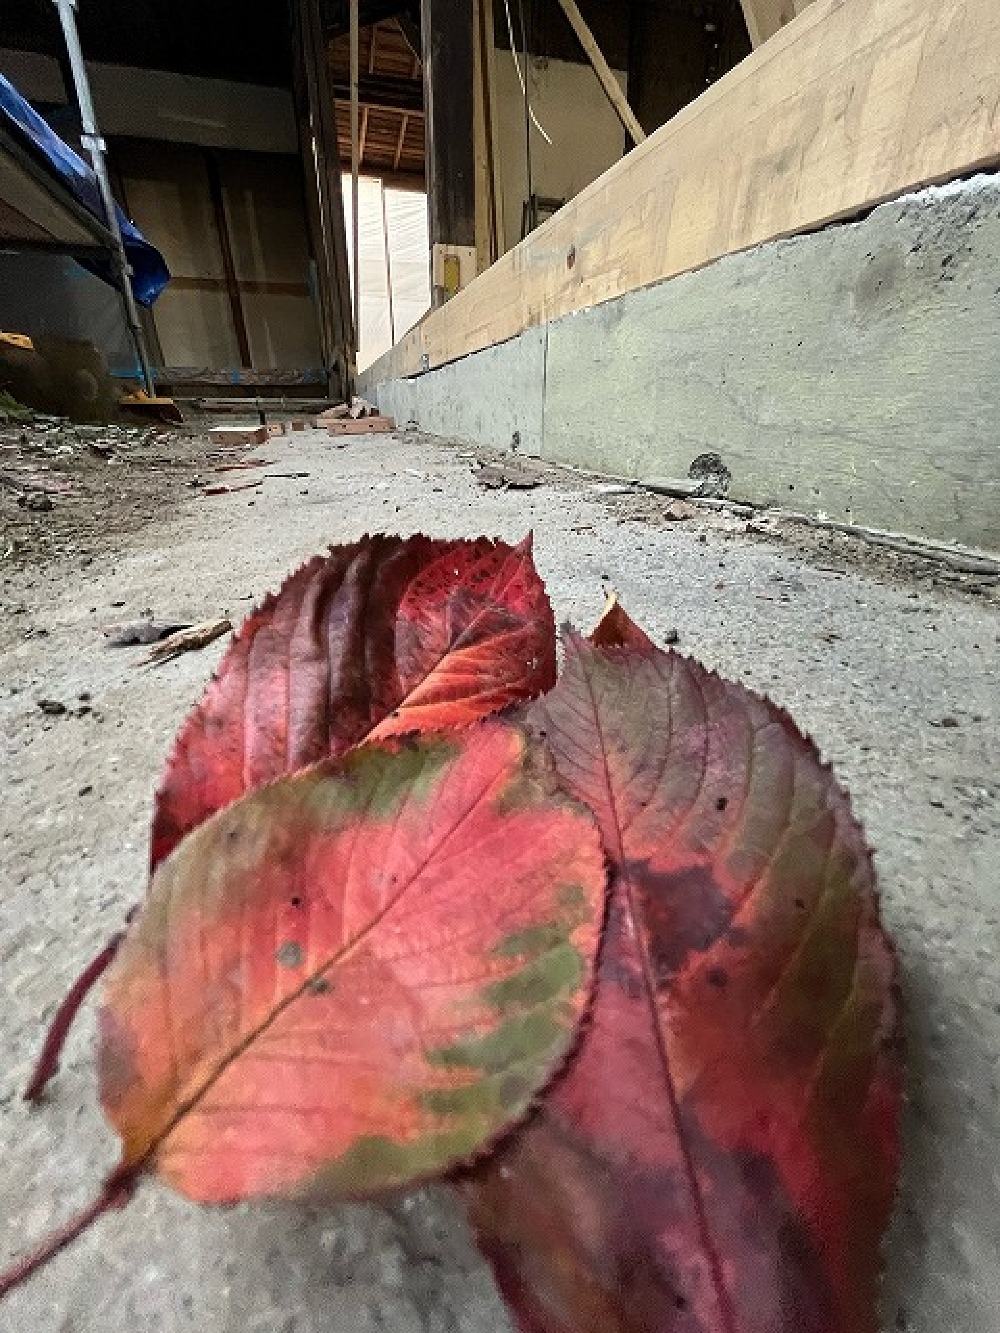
[{"x": 854, "y": 102}]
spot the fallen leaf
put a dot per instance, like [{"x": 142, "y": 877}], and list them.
[
  {"x": 721, "y": 1154},
  {"x": 313, "y": 1002},
  {"x": 387, "y": 636}
]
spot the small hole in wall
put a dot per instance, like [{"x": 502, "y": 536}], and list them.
[
  {"x": 515, "y": 441},
  {"x": 571, "y": 256}
]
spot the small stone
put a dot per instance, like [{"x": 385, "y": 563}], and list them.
[
  {"x": 948, "y": 721},
  {"x": 51, "y": 707},
  {"x": 86, "y": 789}
]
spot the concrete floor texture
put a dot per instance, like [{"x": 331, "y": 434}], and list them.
[{"x": 869, "y": 665}]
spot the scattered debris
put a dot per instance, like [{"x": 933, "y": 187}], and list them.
[
  {"x": 505, "y": 478},
  {"x": 602, "y": 490},
  {"x": 244, "y": 464},
  {"x": 678, "y": 511},
  {"x": 146, "y": 630},
  {"x": 187, "y": 641},
  {"x": 712, "y": 475},
  {"x": 679, "y": 486},
  {"x": 238, "y": 434},
  {"x": 228, "y": 490},
  {"x": 335, "y": 413},
  {"x": 148, "y": 405},
  {"x": 359, "y": 408},
  {"x": 36, "y": 502},
  {"x": 363, "y": 426}
]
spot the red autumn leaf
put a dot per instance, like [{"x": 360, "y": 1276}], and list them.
[
  {"x": 389, "y": 635},
  {"x": 356, "y": 976},
  {"x": 720, "y": 1156}
]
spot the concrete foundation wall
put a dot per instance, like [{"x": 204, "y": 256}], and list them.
[{"x": 853, "y": 372}]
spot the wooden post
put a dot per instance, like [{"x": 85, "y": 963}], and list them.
[
  {"x": 447, "y": 44},
  {"x": 324, "y": 196},
  {"x": 603, "y": 71},
  {"x": 488, "y": 226},
  {"x": 355, "y": 166}
]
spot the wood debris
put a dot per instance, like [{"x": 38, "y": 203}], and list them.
[
  {"x": 145, "y": 630},
  {"x": 187, "y": 641},
  {"x": 362, "y": 426},
  {"x": 505, "y": 478}
]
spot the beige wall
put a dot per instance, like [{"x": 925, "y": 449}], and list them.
[
  {"x": 587, "y": 136},
  {"x": 153, "y": 104}
]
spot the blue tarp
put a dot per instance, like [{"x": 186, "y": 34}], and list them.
[{"x": 149, "y": 271}]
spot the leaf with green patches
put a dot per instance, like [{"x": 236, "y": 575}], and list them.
[
  {"x": 720, "y": 1155},
  {"x": 357, "y": 976},
  {"x": 384, "y": 637}
]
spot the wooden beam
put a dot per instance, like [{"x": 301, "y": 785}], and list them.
[
  {"x": 603, "y": 71},
  {"x": 320, "y": 155},
  {"x": 447, "y": 46},
  {"x": 383, "y": 92},
  {"x": 403, "y": 126},
  {"x": 853, "y": 104},
  {"x": 487, "y": 219},
  {"x": 355, "y": 167},
  {"x": 232, "y": 283}
]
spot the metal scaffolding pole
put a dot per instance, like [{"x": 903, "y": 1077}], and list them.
[{"x": 95, "y": 146}]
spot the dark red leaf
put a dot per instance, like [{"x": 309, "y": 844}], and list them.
[
  {"x": 356, "y": 976},
  {"x": 389, "y": 635},
  {"x": 721, "y": 1154}
]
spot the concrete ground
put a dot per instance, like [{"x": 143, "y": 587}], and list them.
[{"x": 896, "y": 679}]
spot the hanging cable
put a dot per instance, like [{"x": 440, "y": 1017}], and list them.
[{"x": 520, "y": 76}]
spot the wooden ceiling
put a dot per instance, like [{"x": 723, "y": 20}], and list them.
[{"x": 391, "y": 101}]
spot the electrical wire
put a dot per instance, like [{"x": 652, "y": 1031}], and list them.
[{"x": 520, "y": 75}]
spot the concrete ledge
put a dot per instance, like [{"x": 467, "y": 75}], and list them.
[{"x": 853, "y": 372}]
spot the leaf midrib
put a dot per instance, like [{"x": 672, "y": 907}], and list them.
[{"x": 722, "y": 1294}]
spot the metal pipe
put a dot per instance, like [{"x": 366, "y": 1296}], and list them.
[{"x": 95, "y": 146}]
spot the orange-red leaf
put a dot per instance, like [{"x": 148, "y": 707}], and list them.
[
  {"x": 386, "y": 636},
  {"x": 720, "y": 1156},
  {"x": 356, "y": 976}
]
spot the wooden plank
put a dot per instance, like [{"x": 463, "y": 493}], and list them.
[
  {"x": 363, "y": 426},
  {"x": 855, "y": 102},
  {"x": 603, "y": 71}
]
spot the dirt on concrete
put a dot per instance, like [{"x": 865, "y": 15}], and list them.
[{"x": 891, "y": 670}]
